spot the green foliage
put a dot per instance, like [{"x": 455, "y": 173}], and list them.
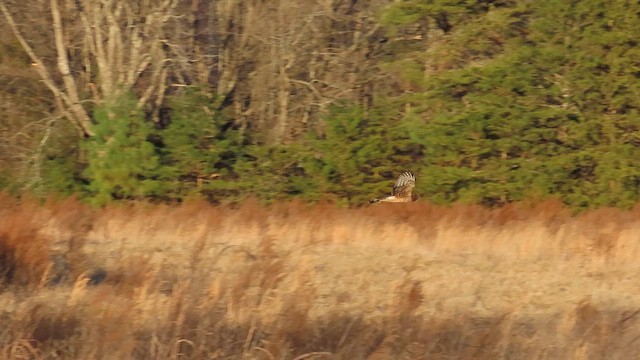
[
  {"x": 7, "y": 182},
  {"x": 445, "y": 13},
  {"x": 122, "y": 163},
  {"x": 486, "y": 101},
  {"x": 358, "y": 153},
  {"x": 552, "y": 110},
  {"x": 274, "y": 173},
  {"x": 62, "y": 174},
  {"x": 62, "y": 163},
  {"x": 349, "y": 160},
  {"x": 199, "y": 148}
]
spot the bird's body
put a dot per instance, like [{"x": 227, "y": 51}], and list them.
[{"x": 402, "y": 190}]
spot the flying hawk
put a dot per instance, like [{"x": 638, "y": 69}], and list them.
[{"x": 402, "y": 190}]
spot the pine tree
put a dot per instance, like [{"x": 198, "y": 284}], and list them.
[
  {"x": 122, "y": 163},
  {"x": 199, "y": 148},
  {"x": 532, "y": 99}
]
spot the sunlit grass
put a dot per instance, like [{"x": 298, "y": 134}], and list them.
[{"x": 295, "y": 281}]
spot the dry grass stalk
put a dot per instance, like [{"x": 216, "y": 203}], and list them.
[{"x": 294, "y": 281}]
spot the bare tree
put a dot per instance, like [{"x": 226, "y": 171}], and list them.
[
  {"x": 124, "y": 46},
  {"x": 284, "y": 62},
  {"x": 65, "y": 93},
  {"x": 126, "y": 40},
  {"x": 278, "y": 64}
]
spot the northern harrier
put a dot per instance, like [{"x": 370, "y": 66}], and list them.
[{"x": 402, "y": 190}]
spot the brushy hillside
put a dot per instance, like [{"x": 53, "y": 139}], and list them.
[{"x": 294, "y": 281}]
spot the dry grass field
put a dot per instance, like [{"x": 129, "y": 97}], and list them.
[{"x": 293, "y": 281}]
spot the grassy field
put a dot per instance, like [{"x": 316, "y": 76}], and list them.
[{"x": 291, "y": 281}]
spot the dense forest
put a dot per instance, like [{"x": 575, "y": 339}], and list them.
[{"x": 487, "y": 101}]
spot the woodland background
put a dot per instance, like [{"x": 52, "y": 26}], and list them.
[{"x": 487, "y": 101}]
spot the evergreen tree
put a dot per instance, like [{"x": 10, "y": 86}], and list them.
[
  {"x": 486, "y": 101},
  {"x": 359, "y": 154},
  {"x": 122, "y": 163},
  {"x": 540, "y": 102},
  {"x": 199, "y": 147}
]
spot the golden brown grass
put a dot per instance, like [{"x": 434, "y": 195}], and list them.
[{"x": 294, "y": 281}]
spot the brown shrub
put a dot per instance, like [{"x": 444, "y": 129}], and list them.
[{"x": 24, "y": 253}]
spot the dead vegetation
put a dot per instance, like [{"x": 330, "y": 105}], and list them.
[{"x": 294, "y": 281}]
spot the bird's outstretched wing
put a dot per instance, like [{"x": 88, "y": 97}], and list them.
[{"x": 403, "y": 188}]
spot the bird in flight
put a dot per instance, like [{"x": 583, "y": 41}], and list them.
[{"x": 402, "y": 190}]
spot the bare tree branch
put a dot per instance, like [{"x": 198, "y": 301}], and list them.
[
  {"x": 63, "y": 66},
  {"x": 78, "y": 115}
]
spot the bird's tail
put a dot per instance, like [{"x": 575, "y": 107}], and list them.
[{"x": 374, "y": 201}]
